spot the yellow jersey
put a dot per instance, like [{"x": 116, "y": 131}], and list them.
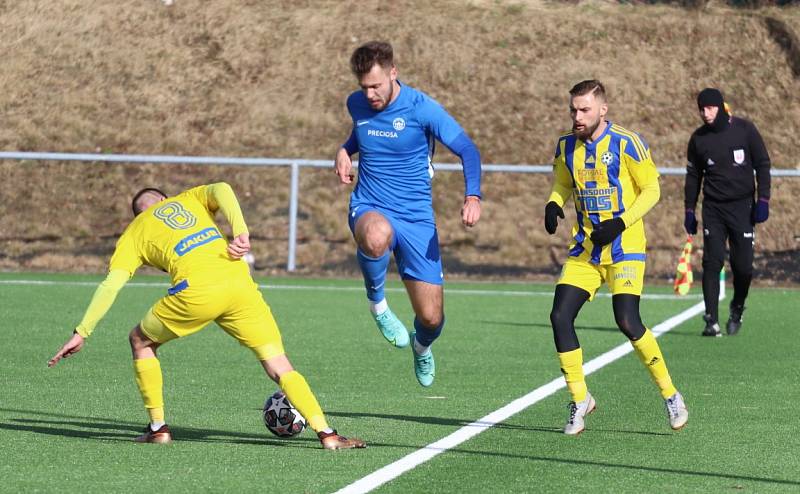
[
  {"x": 605, "y": 178},
  {"x": 178, "y": 235}
]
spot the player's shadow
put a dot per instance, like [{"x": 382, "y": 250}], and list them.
[
  {"x": 438, "y": 421},
  {"x": 464, "y": 422},
  {"x": 83, "y": 429},
  {"x": 106, "y": 429}
]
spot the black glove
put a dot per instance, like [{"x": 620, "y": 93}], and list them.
[
  {"x": 761, "y": 210},
  {"x": 607, "y": 231},
  {"x": 690, "y": 222},
  {"x": 550, "y": 212}
]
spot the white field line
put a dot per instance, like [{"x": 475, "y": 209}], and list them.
[
  {"x": 412, "y": 460},
  {"x": 458, "y": 291}
]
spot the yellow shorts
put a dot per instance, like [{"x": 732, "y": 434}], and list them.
[
  {"x": 621, "y": 277},
  {"x": 235, "y": 304}
]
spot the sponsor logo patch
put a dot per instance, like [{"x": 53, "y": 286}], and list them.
[
  {"x": 738, "y": 156},
  {"x": 597, "y": 200},
  {"x": 591, "y": 174},
  {"x": 628, "y": 272},
  {"x": 196, "y": 240},
  {"x": 382, "y": 133}
]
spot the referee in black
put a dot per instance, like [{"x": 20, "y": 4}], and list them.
[{"x": 724, "y": 155}]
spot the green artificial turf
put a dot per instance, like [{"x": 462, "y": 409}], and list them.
[{"x": 70, "y": 428}]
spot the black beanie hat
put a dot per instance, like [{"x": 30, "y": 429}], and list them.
[
  {"x": 713, "y": 97},
  {"x": 710, "y": 97}
]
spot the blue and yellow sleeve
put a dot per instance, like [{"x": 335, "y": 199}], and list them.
[
  {"x": 643, "y": 172},
  {"x": 562, "y": 178}
]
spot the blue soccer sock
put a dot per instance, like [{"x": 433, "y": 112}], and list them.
[
  {"x": 425, "y": 336},
  {"x": 374, "y": 271}
]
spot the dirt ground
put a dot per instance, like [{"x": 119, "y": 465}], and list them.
[
  {"x": 88, "y": 208},
  {"x": 269, "y": 79}
]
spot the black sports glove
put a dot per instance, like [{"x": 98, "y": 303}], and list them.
[
  {"x": 607, "y": 231},
  {"x": 551, "y": 211},
  {"x": 690, "y": 222},
  {"x": 761, "y": 210}
]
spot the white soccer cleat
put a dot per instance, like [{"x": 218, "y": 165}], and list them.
[
  {"x": 577, "y": 413},
  {"x": 676, "y": 411}
]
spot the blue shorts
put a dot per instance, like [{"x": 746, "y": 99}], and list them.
[{"x": 415, "y": 245}]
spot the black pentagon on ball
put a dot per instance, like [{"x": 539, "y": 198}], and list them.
[
  {"x": 271, "y": 417},
  {"x": 286, "y": 416},
  {"x": 281, "y": 418}
]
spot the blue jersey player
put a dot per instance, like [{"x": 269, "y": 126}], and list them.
[{"x": 394, "y": 132}]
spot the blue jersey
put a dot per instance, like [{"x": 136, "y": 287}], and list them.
[{"x": 396, "y": 147}]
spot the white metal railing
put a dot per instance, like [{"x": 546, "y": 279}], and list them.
[{"x": 295, "y": 165}]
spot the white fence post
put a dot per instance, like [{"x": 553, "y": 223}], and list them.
[{"x": 294, "y": 187}]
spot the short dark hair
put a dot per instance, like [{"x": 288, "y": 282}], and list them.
[
  {"x": 367, "y": 55},
  {"x": 588, "y": 86},
  {"x": 134, "y": 203}
]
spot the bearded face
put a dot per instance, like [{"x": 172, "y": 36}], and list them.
[
  {"x": 587, "y": 113},
  {"x": 379, "y": 86}
]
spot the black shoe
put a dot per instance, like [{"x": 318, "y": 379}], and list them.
[
  {"x": 735, "y": 319},
  {"x": 712, "y": 328}
]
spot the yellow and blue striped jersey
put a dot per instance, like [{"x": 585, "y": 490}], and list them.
[
  {"x": 605, "y": 178},
  {"x": 178, "y": 235}
]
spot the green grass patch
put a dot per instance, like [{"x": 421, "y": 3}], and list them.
[{"x": 70, "y": 427}]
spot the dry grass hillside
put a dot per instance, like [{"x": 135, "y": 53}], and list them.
[{"x": 269, "y": 78}]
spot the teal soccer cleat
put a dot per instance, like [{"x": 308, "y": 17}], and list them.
[
  {"x": 391, "y": 328},
  {"x": 424, "y": 366}
]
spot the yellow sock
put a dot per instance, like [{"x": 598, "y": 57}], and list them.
[
  {"x": 299, "y": 393},
  {"x": 650, "y": 354},
  {"x": 150, "y": 382},
  {"x": 572, "y": 368},
  {"x": 156, "y": 415}
]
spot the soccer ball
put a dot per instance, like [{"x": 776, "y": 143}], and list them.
[{"x": 281, "y": 418}]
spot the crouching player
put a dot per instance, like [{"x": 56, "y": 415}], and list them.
[{"x": 211, "y": 282}]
